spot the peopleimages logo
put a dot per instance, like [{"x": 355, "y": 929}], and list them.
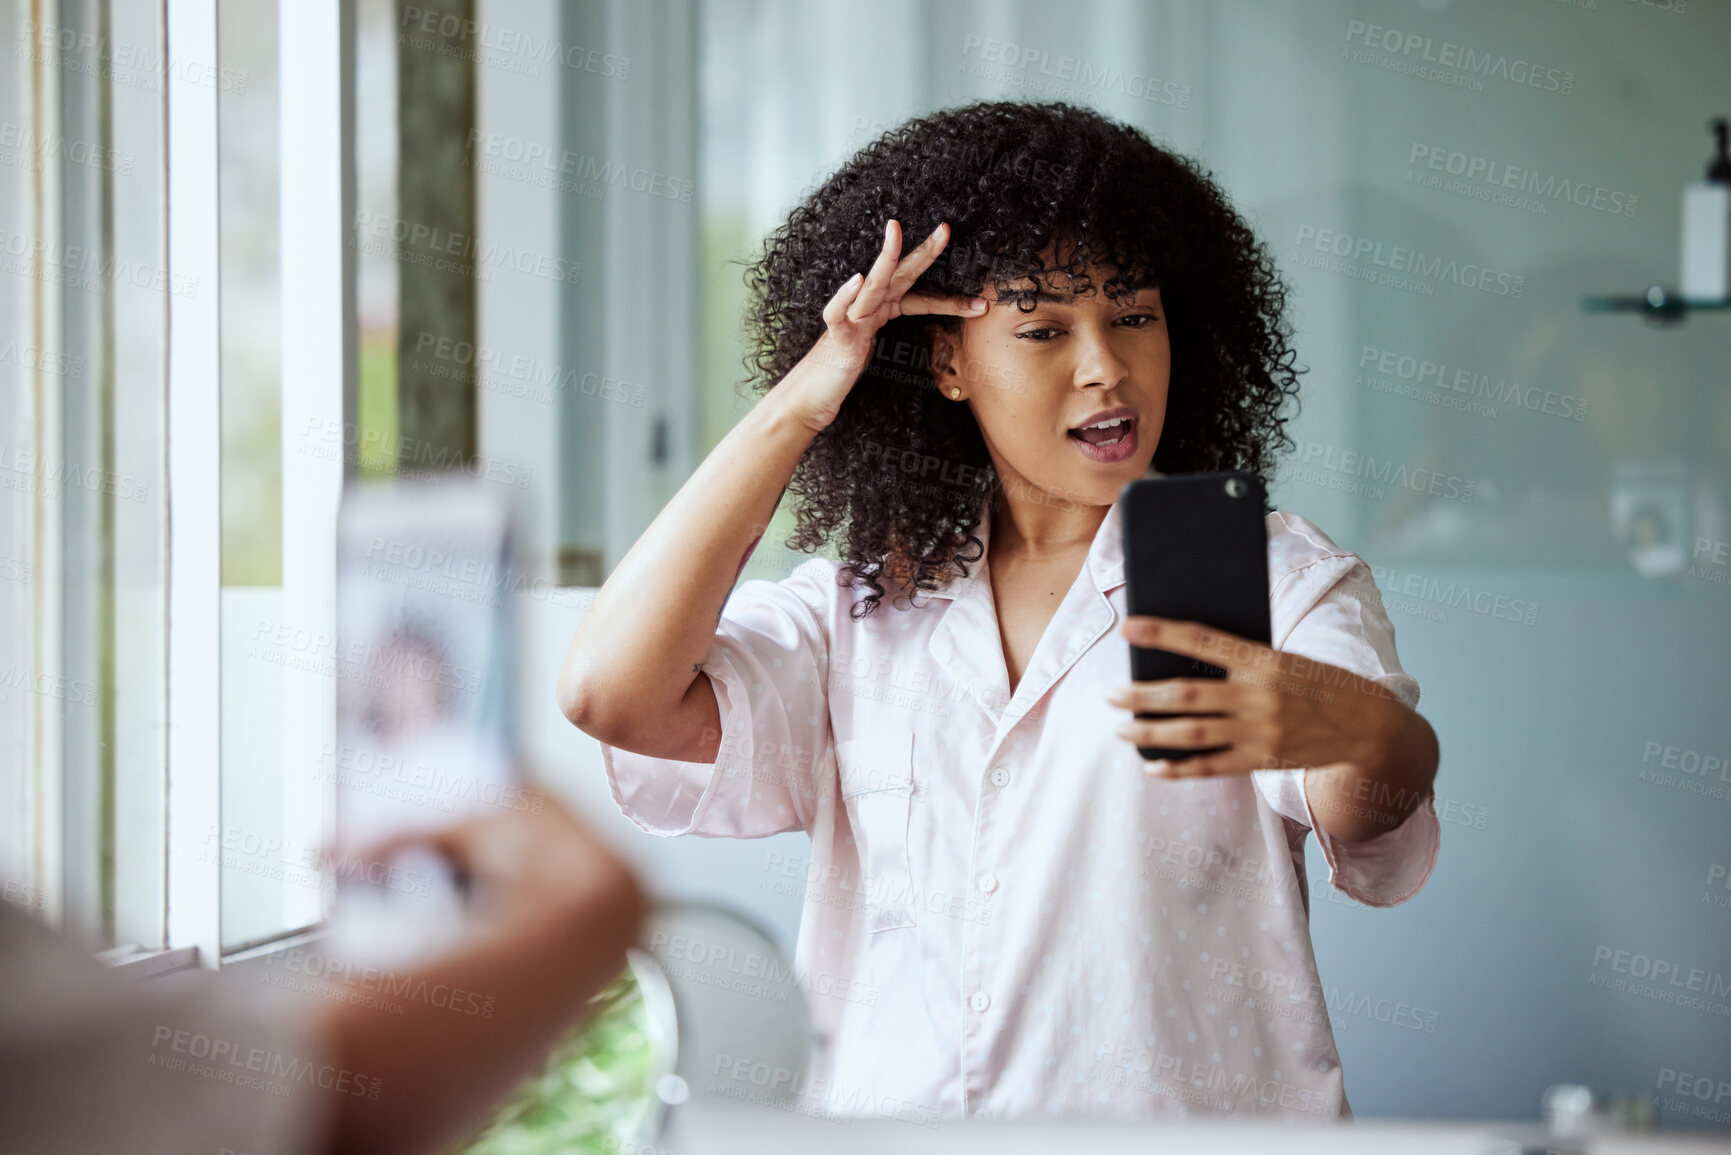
[
  {"x": 1517, "y": 186},
  {"x": 131, "y": 65},
  {"x": 1208, "y": 1085},
  {"x": 84, "y": 268},
  {"x": 1444, "y": 60},
  {"x": 25, "y": 149},
  {"x": 1452, "y": 594},
  {"x": 1402, "y": 266},
  {"x": 1378, "y": 472},
  {"x": 1702, "y": 1089},
  {"x": 1695, "y": 771},
  {"x": 414, "y": 242},
  {"x": 42, "y": 360},
  {"x": 1070, "y": 73},
  {"x": 1664, "y": 973},
  {"x": 500, "y": 42},
  {"x": 1437, "y": 382},
  {"x": 229, "y": 1062},
  {"x": 590, "y": 175}
]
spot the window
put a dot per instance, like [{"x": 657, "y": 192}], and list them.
[
  {"x": 165, "y": 493},
  {"x": 84, "y": 291}
]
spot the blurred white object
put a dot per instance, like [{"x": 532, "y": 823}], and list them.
[
  {"x": 706, "y": 1127},
  {"x": 1571, "y": 1109},
  {"x": 412, "y": 913},
  {"x": 423, "y": 663},
  {"x": 1650, "y": 514},
  {"x": 1705, "y": 271},
  {"x": 741, "y": 1022},
  {"x": 424, "y": 645}
]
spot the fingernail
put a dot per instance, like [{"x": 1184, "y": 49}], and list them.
[
  {"x": 1159, "y": 766},
  {"x": 1122, "y": 730},
  {"x": 977, "y": 303}
]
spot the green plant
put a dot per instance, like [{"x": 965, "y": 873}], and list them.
[{"x": 593, "y": 1094}]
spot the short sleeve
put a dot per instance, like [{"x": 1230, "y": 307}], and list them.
[
  {"x": 769, "y": 666},
  {"x": 1348, "y": 627}
]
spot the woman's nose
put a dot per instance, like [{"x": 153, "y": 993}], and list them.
[{"x": 1097, "y": 363}]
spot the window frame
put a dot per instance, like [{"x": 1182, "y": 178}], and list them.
[
  {"x": 194, "y": 767},
  {"x": 316, "y": 54}
]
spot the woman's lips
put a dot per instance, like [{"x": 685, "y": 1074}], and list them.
[{"x": 1118, "y": 450}]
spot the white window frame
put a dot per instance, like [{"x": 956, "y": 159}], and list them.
[
  {"x": 315, "y": 52},
  {"x": 320, "y": 350},
  {"x": 194, "y": 488}
]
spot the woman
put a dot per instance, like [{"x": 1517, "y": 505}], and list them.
[{"x": 1006, "y": 912}]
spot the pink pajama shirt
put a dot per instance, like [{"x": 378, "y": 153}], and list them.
[{"x": 1003, "y": 915}]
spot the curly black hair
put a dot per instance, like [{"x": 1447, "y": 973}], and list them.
[{"x": 1011, "y": 178}]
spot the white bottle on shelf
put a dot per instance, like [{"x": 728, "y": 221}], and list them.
[{"x": 1705, "y": 272}]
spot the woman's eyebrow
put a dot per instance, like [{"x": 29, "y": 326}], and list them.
[{"x": 1038, "y": 295}]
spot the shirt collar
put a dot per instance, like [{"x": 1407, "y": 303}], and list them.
[{"x": 1105, "y": 560}]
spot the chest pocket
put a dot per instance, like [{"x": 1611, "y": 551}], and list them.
[{"x": 877, "y": 787}]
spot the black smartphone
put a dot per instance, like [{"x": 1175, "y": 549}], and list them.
[{"x": 1195, "y": 549}]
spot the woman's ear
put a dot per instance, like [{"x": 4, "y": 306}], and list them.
[{"x": 946, "y": 346}]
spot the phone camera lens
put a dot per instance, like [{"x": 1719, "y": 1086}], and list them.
[{"x": 1235, "y": 487}]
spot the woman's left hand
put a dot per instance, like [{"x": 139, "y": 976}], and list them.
[{"x": 1275, "y": 710}]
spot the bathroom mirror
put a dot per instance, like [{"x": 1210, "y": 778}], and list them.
[{"x": 1540, "y": 494}]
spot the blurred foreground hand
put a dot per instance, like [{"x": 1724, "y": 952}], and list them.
[
  {"x": 551, "y": 912},
  {"x": 410, "y": 1061}
]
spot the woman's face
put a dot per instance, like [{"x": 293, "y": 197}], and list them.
[{"x": 1034, "y": 380}]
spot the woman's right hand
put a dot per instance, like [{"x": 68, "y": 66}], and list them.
[{"x": 862, "y": 306}]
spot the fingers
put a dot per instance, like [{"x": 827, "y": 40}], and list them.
[
  {"x": 1181, "y": 733},
  {"x": 835, "y": 312},
  {"x": 911, "y": 266},
  {"x": 1205, "y": 765},
  {"x": 467, "y": 839},
  {"x": 954, "y": 304},
  {"x": 1195, "y": 640},
  {"x": 1179, "y": 696},
  {"x": 447, "y": 841},
  {"x": 890, "y": 279},
  {"x": 877, "y": 281}
]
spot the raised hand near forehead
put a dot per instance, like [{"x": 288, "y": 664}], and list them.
[{"x": 861, "y": 306}]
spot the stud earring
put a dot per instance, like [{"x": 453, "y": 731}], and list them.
[{"x": 955, "y": 394}]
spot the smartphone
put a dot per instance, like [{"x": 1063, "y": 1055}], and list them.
[
  {"x": 1195, "y": 549},
  {"x": 424, "y": 661}
]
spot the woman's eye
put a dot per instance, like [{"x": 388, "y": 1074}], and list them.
[{"x": 1035, "y": 334}]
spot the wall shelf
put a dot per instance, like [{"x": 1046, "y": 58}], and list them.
[{"x": 1658, "y": 304}]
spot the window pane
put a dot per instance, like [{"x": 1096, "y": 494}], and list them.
[
  {"x": 139, "y": 540},
  {"x": 373, "y": 236},
  {"x": 262, "y": 874},
  {"x": 82, "y": 300}
]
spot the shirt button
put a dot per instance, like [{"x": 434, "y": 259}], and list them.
[
  {"x": 988, "y": 882},
  {"x": 980, "y": 1001},
  {"x": 1000, "y": 777}
]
